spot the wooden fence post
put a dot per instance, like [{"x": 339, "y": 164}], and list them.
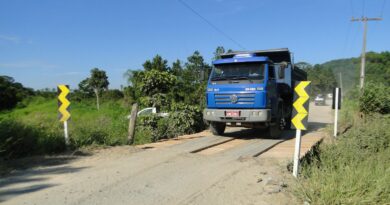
[{"x": 132, "y": 122}]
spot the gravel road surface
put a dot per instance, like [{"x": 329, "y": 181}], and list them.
[{"x": 194, "y": 169}]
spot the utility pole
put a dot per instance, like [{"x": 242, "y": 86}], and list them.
[
  {"x": 363, "y": 64},
  {"x": 341, "y": 81}
]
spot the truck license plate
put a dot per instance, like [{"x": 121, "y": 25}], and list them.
[{"x": 232, "y": 113}]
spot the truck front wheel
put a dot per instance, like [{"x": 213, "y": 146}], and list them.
[{"x": 217, "y": 128}]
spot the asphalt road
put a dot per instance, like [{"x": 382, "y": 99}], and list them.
[{"x": 196, "y": 169}]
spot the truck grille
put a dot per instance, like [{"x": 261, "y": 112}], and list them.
[{"x": 242, "y": 98}]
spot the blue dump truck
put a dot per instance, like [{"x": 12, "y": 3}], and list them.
[{"x": 252, "y": 89}]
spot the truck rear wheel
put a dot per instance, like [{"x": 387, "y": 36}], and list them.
[
  {"x": 217, "y": 128},
  {"x": 275, "y": 129}
]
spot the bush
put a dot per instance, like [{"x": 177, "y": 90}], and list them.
[
  {"x": 375, "y": 99},
  {"x": 185, "y": 119}
]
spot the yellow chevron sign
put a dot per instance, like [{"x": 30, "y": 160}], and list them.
[
  {"x": 63, "y": 102},
  {"x": 300, "y": 112}
]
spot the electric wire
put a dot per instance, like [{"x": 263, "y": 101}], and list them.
[
  {"x": 211, "y": 24},
  {"x": 383, "y": 7}
]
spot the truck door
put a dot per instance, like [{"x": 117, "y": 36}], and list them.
[{"x": 272, "y": 89}]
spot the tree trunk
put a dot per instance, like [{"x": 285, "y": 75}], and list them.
[{"x": 97, "y": 98}]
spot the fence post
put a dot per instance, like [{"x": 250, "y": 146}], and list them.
[{"x": 132, "y": 122}]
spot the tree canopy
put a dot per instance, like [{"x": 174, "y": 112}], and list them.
[{"x": 12, "y": 92}]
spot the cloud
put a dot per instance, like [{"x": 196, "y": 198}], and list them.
[
  {"x": 28, "y": 65},
  {"x": 12, "y": 39}
]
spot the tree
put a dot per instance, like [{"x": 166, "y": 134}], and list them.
[
  {"x": 177, "y": 69},
  {"x": 196, "y": 69},
  {"x": 12, "y": 92},
  {"x": 97, "y": 82},
  {"x": 218, "y": 52},
  {"x": 157, "y": 63},
  {"x": 155, "y": 85},
  {"x": 322, "y": 78}
]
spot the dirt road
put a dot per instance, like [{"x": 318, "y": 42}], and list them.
[{"x": 195, "y": 169}]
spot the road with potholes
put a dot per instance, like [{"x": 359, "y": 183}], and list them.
[{"x": 241, "y": 167}]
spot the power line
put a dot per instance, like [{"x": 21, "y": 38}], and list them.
[
  {"x": 383, "y": 7},
  {"x": 211, "y": 24}
]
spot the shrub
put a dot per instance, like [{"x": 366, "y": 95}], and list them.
[
  {"x": 185, "y": 119},
  {"x": 375, "y": 99}
]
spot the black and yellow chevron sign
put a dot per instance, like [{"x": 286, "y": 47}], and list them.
[
  {"x": 301, "y": 105},
  {"x": 63, "y": 102}
]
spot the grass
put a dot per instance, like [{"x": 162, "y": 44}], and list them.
[
  {"x": 355, "y": 168},
  {"x": 35, "y": 129}
]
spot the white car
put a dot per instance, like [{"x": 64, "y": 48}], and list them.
[
  {"x": 151, "y": 111},
  {"x": 319, "y": 100}
]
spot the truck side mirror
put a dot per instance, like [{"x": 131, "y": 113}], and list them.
[{"x": 281, "y": 72}]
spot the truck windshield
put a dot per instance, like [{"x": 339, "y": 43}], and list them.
[{"x": 238, "y": 73}]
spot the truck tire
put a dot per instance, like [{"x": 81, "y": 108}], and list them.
[
  {"x": 288, "y": 123},
  {"x": 275, "y": 129},
  {"x": 217, "y": 128}
]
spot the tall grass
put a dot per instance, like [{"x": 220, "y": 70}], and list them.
[
  {"x": 355, "y": 169},
  {"x": 35, "y": 129}
]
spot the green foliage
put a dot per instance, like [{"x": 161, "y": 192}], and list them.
[
  {"x": 154, "y": 82},
  {"x": 185, "y": 119},
  {"x": 12, "y": 92},
  {"x": 378, "y": 67},
  {"x": 96, "y": 83},
  {"x": 322, "y": 79},
  {"x": 158, "y": 64},
  {"x": 354, "y": 170},
  {"x": 113, "y": 94},
  {"x": 218, "y": 52},
  {"x": 98, "y": 80},
  {"x": 375, "y": 98}
]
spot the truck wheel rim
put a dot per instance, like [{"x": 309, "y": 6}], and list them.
[{"x": 282, "y": 123}]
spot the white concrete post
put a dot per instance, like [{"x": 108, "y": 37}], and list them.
[
  {"x": 336, "y": 111},
  {"x": 297, "y": 152},
  {"x": 66, "y": 133}
]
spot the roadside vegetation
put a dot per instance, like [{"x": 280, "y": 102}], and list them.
[
  {"x": 355, "y": 167},
  {"x": 99, "y": 116}
]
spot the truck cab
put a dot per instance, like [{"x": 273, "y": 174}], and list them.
[{"x": 251, "y": 89}]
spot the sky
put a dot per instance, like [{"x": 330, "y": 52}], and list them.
[{"x": 44, "y": 43}]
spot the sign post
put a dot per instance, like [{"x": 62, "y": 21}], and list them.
[
  {"x": 336, "y": 106},
  {"x": 63, "y": 109},
  {"x": 299, "y": 118}
]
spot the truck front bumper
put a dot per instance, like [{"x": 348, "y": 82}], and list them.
[{"x": 247, "y": 115}]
